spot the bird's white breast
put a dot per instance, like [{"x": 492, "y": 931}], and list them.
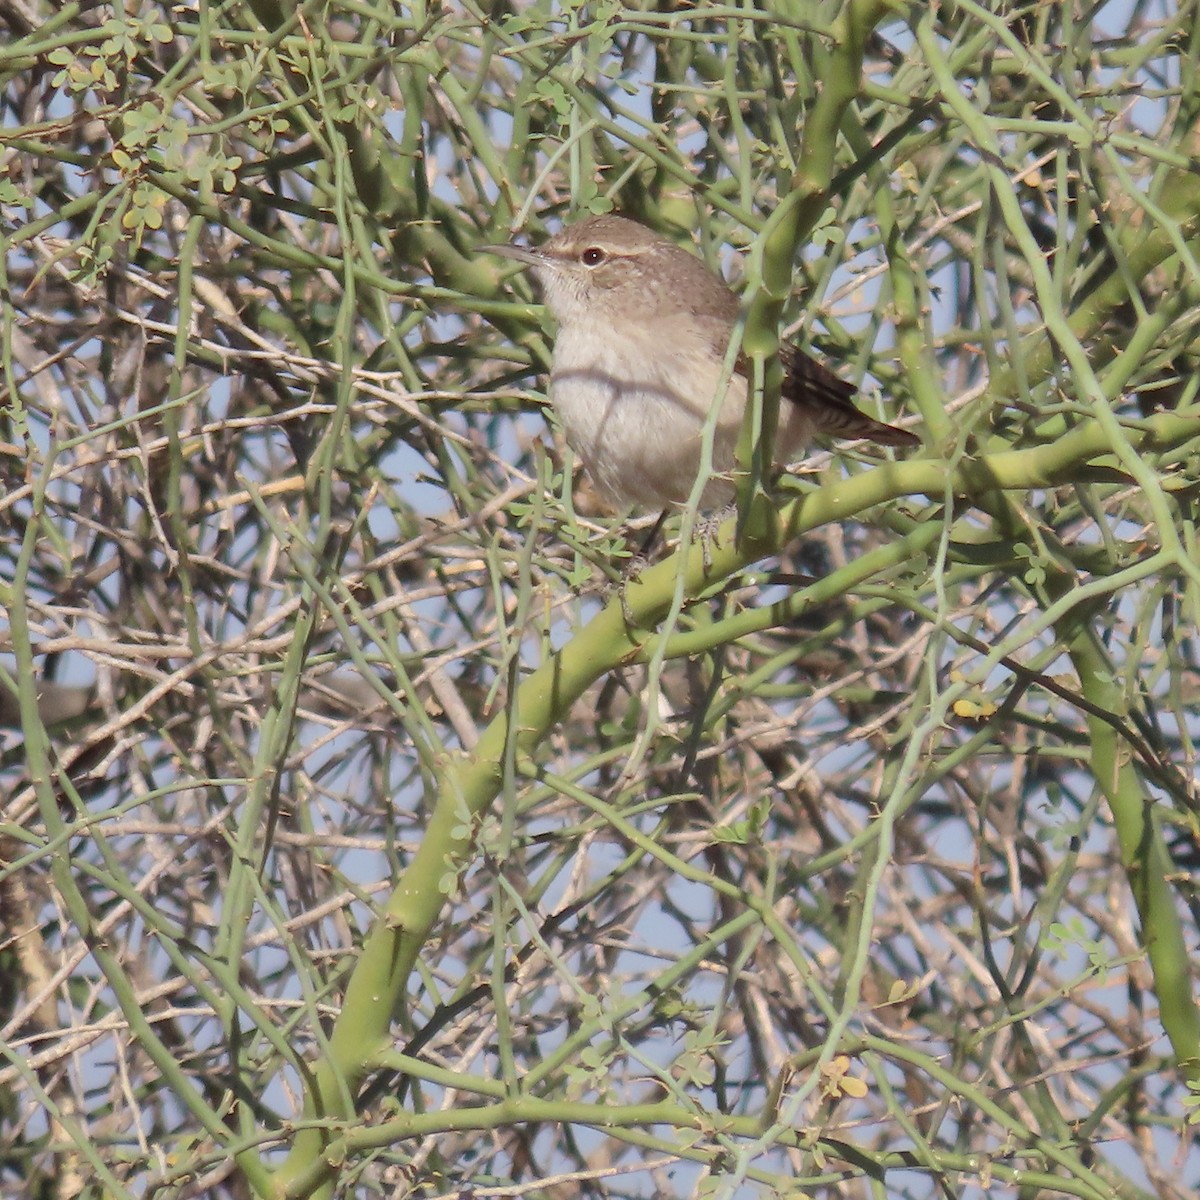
[{"x": 633, "y": 409}]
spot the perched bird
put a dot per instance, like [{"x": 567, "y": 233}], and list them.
[{"x": 643, "y": 329}]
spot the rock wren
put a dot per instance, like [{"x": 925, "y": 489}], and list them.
[{"x": 643, "y": 329}]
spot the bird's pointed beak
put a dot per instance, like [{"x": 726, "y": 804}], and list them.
[{"x": 519, "y": 254}]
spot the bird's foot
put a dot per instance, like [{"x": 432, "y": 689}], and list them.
[{"x": 707, "y": 529}]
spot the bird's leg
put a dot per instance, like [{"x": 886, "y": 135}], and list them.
[
  {"x": 642, "y": 557},
  {"x": 708, "y": 528},
  {"x": 638, "y": 563}
]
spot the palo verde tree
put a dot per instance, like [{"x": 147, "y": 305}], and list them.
[{"x": 371, "y": 829}]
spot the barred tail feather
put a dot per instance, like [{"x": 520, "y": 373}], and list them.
[{"x": 827, "y": 399}]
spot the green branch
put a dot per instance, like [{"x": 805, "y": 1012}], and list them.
[{"x": 469, "y": 784}]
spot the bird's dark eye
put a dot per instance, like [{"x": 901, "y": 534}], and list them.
[{"x": 593, "y": 256}]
